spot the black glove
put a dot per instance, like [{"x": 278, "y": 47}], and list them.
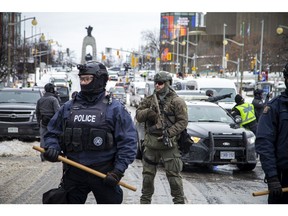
[
  {"x": 152, "y": 117},
  {"x": 113, "y": 177},
  {"x": 229, "y": 95},
  {"x": 274, "y": 187},
  {"x": 51, "y": 155}
]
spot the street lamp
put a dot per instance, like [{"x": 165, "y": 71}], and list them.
[
  {"x": 223, "y": 54},
  {"x": 225, "y": 42},
  {"x": 172, "y": 43},
  {"x": 280, "y": 28},
  {"x": 33, "y": 22},
  {"x": 177, "y": 56},
  {"x": 187, "y": 42}
]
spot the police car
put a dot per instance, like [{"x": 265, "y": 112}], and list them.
[{"x": 218, "y": 139}]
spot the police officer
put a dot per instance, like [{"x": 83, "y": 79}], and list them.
[
  {"x": 98, "y": 132},
  {"x": 258, "y": 102},
  {"x": 246, "y": 111},
  {"x": 212, "y": 98},
  {"x": 167, "y": 126},
  {"x": 46, "y": 107},
  {"x": 272, "y": 145}
]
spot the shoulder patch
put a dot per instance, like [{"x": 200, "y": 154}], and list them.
[{"x": 266, "y": 109}]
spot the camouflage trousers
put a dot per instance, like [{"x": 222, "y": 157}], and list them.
[{"x": 172, "y": 165}]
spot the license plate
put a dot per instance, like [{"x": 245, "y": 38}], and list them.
[
  {"x": 227, "y": 155},
  {"x": 12, "y": 130}
]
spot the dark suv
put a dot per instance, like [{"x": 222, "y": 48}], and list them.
[{"x": 17, "y": 113}]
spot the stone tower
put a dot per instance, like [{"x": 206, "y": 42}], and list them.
[{"x": 89, "y": 40}]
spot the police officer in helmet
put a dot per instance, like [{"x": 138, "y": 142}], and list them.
[
  {"x": 97, "y": 132},
  {"x": 272, "y": 144},
  {"x": 162, "y": 144},
  {"x": 46, "y": 107},
  {"x": 258, "y": 102}
]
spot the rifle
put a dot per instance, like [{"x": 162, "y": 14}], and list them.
[{"x": 165, "y": 139}]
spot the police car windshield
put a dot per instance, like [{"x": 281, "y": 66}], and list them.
[{"x": 201, "y": 113}]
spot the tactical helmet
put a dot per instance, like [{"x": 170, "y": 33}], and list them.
[
  {"x": 49, "y": 87},
  {"x": 93, "y": 68},
  {"x": 163, "y": 77},
  {"x": 209, "y": 93},
  {"x": 258, "y": 92},
  {"x": 285, "y": 71}
]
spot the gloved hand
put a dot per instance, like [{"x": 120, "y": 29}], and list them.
[
  {"x": 229, "y": 95},
  {"x": 274, "y": 187},
  {"x": 113, "y": 177},
  {"x": 51, "y": 154},
  {"x": 152, "y": 117}
]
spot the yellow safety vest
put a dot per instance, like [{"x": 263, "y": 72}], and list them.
[{"x": 247, "y": 113}]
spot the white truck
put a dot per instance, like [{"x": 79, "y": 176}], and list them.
[
  {"x": 136, "y": 93},
  {"x": 220, "y": 86},
  {"x": 59, "y": 79}
]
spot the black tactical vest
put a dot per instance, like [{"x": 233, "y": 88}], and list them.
[{"x": 87, "y": 129}]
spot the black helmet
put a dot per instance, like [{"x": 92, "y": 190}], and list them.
[
  {"x": 49, "y": 87},
  {"x": 209, "y": 93},
  {"x": 258, "y": 92},
  {"x": 93, "y": 68},
  {"x": 163, "y": 77},
  {"x": 285, "y": 71}
]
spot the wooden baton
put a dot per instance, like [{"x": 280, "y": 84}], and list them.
[
  {"x": 85, "y": 168},
  {"x": 261, "y": 193}
]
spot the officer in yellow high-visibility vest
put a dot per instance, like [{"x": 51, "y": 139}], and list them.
[{"x": 247, "y": 113}]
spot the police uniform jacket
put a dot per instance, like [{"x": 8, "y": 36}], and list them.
[
  {"x": 272, "y": 136},
  {"x": 117, "y": 121}
]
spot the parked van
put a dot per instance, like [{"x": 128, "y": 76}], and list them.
[
  {"x": 149, "y": 88},
  {"x": 219, "y": 86},
  {"x": 136, "y": 91}
]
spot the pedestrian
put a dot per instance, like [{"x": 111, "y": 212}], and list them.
[
  {"x": 46, "y": 107},
  {"x": 180, "y": 75},
  {"x": 212, "y": 98},
  {"x": 246, "y": 111},
  {"x": 272, "y": 145},
  {"x": 70, "y": 84},
  {"x": 258, "y": 102},
  {"x": 161, "y": 135},
  {"x": 97, "y": 132}
]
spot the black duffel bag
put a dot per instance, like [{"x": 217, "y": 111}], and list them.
[
  {"x": 185, "y": 142},
  {"x": 55, "y": 196}
]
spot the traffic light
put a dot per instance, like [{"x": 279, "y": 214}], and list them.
[
  {"x": 103, "y": 57},
  {"x": 148, "y": 56},
  {"x": 169, "y": 56},
  {"x": 118, "y": 52},
  {"x": 227, "y": 56},
  {"x": 253, "y": 63},
  {"x": 68, "y": 51}
]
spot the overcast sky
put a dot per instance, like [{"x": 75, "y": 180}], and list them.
[
  {"x": 116, "y": 23},
  {"x": 110, "y": 29}
]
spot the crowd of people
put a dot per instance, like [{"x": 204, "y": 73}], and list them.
[{"x": 97, "y": 131}]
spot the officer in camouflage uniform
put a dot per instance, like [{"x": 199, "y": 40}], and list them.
[{"x": 175, "y": 118}]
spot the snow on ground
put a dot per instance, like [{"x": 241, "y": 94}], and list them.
[{"x": 17, "y": 148}]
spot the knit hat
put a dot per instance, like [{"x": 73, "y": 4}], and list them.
[{"x": 238, "y": 98}]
